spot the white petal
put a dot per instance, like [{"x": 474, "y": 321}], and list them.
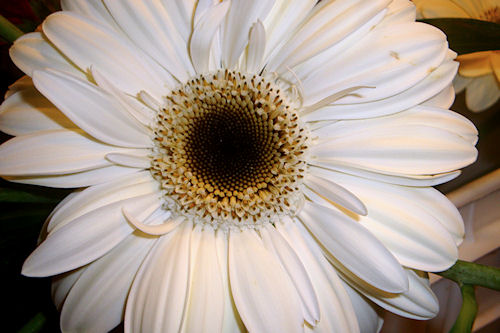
[
  {"x": 336, "y": 311},
  {"x": 73, "y": 180},
  {"x": 351, "y": 246},
  {"x": 444, "y": 99},
  {"x": 406, "y": 221},
  {"x": 151, "y": 26},
  {"x": 283, "y": 19},
  {"x": 419, "y": 115},
  {"x": 88, "y": 43},
  {"x": 263, "y": 292},
  {"x": 203, "y": 34},
  {"x": 369, "y": 319},
  {"x": 53, "y": 152},
  {"x": 97, "y": 300},
  {"x": 28, "y": 111},
  {"x": 158, "y": 296},
  {"x": 33, "y": 51},
  {"x": 275, "y": 243},
  {"x": 232, "y": 321},
  {"x": 409, "y": 149},
  {"x": 256, "y": 48},
  {"x": 327, "y": 24},
  {"x": 419, "y": 302},
  {"x": 400, "y": 57},
  {"x": 98, "y": 232},
  {"x": 205, "y": 308},
  {"x": 422, "y": 91},
  {"x": 91, "y": 109},
  {"x": 98, "y": 196},
  {"x": 335, "y": 193},
  {"x": 131, "y": 105},
  {"x": 137, "y": 159},
  {"x": 482, "y": 92},
  {"x": 62, "y": 284},
  {"x": 242, "y": 14},
  {"x": 392, "y": 178},
  {"x": 95, "y": 10},
  {"x": 165, "y": 227}
]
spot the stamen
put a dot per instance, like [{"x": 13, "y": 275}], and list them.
[{"x": 229, "y": 150}]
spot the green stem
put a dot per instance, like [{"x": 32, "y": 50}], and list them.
[
  {"x": 464, "y": 272},
  {"x": 34, "y": 325},
  {"x": 468, "y": 312},
  {"x": 9, "y": 31}
]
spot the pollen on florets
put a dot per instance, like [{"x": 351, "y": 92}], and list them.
[{"x": 229, "y": 150}]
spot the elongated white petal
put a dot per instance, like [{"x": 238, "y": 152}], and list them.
[
  {"x": 391, "y": 178},
  {"x": 53, "y": 152},
  {"x": 91, "y": 109},
  {"x": 203, "y": 34},
  {"x": 419, "y": 302},
  {"x": 98, "y": 232},
  {"x": 24, "y": 82},
  {"x": 205, "y": 308},
  {"x": 242, "y": 14},
  {"x": 425, "y": 89},
  {"x": 232, "y": 320},
  {"x": 97, "y": 196},
  {"x": 335, "y": 193},
  {"x": 132, "y": 106},
  {"x": 444, "y": 99},
  {"x": 33, "y": 52},
  {"x": 27, "y": 111},
  {"x": 151, "y": 26},
  {"x": 409, "y": 149},
  {"x": 78, "y": 179},
  {"x": 263, "y": 293},
  {"x": 406, "y": 221},
  {"x": 283, "y": 19},
  {"x": 369, "y": 319},
  {"x": 274, "y": 243},
  {"x": 418, "y": 115},
  {"x": 62, "y": 284},
  {"x": 156, "y": 230},
  {"x": 158, "y": 296},
  {"x": 137, "y": 159},
  {"x": 354, "y": 247},
  {"x": 95, "y": 10},
  {"x": 97, "y": 300},
  {"x": 400, "y": 57},
  {"x": 100, "y": 47},
  {"x": 335, "y": 20},
  {"x": 336, "y": 311},
  {"x": 256, "y": 48}
]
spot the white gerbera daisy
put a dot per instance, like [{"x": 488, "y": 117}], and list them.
[{"x": 243, "y": 165}]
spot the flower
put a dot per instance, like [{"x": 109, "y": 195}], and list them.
[
  {"x": 479, "y": 72},
  {"x": 240, "y": 164}
]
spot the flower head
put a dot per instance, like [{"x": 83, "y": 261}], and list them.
[
  {"x": 479, "y": 72},
  {"x": 241, "y": 165}
]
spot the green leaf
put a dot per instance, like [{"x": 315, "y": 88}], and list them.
[
  {"x": 34, "y": 325},
  {"x": 465, "y": 272},
  {"x": 9, "y": 31},
  {"x": 468, "y": 35},
  {"x": 468, "y": 311},
  {"x": 16, "y": 196}
]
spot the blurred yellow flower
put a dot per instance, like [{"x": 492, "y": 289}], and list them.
[{"x": 479, "y": 73}]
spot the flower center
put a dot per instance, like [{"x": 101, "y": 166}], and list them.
[{"x": 229, "y": 150}]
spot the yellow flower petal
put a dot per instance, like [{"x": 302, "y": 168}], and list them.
[{"x": 475, "y": 64}]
